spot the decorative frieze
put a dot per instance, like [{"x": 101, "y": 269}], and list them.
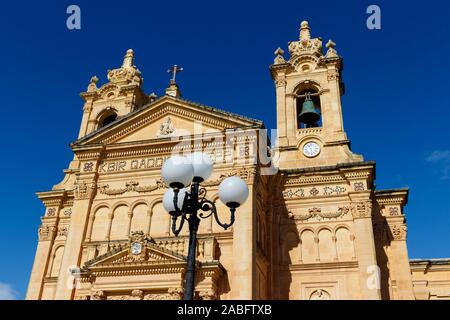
[
  {"x": 318, "y": 214},
  {"x": 244, "y": 173},
  {"x": 313, "y": 192},
  {"x": 131, "y": 186}
]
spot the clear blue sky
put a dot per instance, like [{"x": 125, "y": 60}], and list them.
[{"x": 396, "y": 106}]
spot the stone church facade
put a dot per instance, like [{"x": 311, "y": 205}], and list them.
[{"x": 313, "y": 227}]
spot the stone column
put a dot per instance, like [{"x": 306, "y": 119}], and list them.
[
  {"x": 84, "y": 193},
  {"x": 46, "y": 237},
  {"x": 399, "y": 261},
  {"x": 365, "y": 244},
  {"x": 242, "y": 275}
]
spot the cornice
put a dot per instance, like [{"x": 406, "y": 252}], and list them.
[{"x": 392, "y": 196}]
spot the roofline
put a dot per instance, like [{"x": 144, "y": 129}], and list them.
[
  {"x": 385, "y": 191},
  {"x": 437, "y": 261},
  {"x": 134, "y": 112}
]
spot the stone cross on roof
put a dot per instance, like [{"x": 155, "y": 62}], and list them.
[{"x": 174, "y": 71}]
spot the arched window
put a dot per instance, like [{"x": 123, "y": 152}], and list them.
[
  {"x": 106, "y": 117},
  {"x": 308, "y": 114},
  {"x": 108, "y": 120}
]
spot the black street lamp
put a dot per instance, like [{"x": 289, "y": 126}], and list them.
[{"x": 180, "y": 172}]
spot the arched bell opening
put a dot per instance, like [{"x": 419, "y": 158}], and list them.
[
  {"x": 107, "y": 117},
  {"x": 309, "y": 112}
]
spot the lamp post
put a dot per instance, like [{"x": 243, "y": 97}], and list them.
[{"x": 185, "y": 198}]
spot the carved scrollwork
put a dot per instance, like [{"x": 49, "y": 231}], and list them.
[
  {"x": 131, "y": 186},
  {"x": 317, "y": 213},
  {"x": 244, "y": 174}
]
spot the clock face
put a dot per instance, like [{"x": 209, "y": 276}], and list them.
[
  {"x": 136, "y": 248},
  {"x": 311, "y": 149}
]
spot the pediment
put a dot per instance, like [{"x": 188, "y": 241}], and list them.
[
  {"x": 151, "y": 254},
  {"x": 165, "y": 118}
]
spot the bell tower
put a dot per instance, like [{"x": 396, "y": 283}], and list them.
[
  {"x": 308, "y": 98},
  {"x": 120, "y": 95}
]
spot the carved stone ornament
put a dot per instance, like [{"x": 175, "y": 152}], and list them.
[
  {"x": 158, "y": 296},
  {"x": 399, "y": 232},
  {"x": 98, "y": 295},
  {"x": 362, "y": 209},
  {"x": 332, "y": 75},
  {"x": 128, "y": 73},
  {"x": 166, "y": 128},
  {"x": 63, "y": 231},
  {"x": 47, "y": 232},
  {"x": 88, "y": 166},
  {"x": 92, "y": 84},
  {"x": 331, "y": 53},
  {"x": 279, "y": 59},
  {"x": 83, "y": 190},
  {"x": 314, "y": 192},
  {"x": 244, "y": 174},
  {"x": 51, "y": 212},
  {"x": 137, "y": 294},
  {"x": 208, "y": 294},
  {"x": 320, "y": 294},
  {"x": 176, "y": 293},
  {"x": 131, "y": 186},
  {"x": 393, "y": 211},
  {"x": 358, "y": 186},
  {"x": 317, "y": 213}
]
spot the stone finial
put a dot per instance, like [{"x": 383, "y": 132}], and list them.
[
  {"x": 331, "y": 53},
  {"x": 127, "y": 73},
  {"x": 128, "y": 60},
  {"x": 305, "y": 33},
  {"x": 173, "y": 90},
  {"x": 152, "y": 97},
  {"x": 93, "y": 84},
  {"x": 279, "y": 59}
]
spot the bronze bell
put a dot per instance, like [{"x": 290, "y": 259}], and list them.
[{"x": 309, "y": 114}]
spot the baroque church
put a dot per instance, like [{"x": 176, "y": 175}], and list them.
[{"x": 314, "y": 226}]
